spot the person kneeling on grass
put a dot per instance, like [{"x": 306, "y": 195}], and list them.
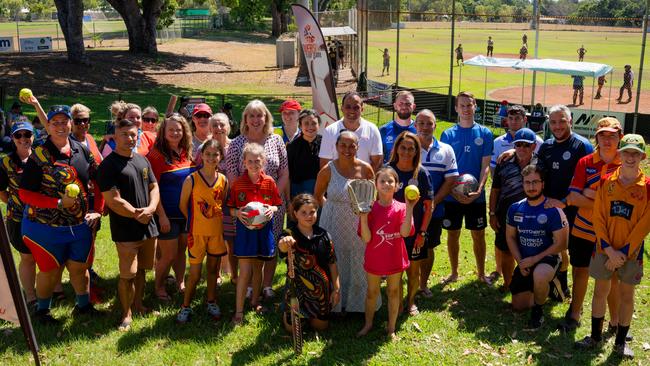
[
  {"x": 131, "y": 192},
  {"x": 252, "y": 246},
  {"x": 535, "y": 235},
  {"x": 383, "y": 230},
  {"x": 202, "y": 201},
  {"x": 621, "y": 222},
  {"x": 316, "y": 274}
]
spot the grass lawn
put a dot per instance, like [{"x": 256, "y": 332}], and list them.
[{"x": 424, "y": 55}]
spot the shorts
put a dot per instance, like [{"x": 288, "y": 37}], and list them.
[
  {"x": 434, "y": 232},
  {"x": 521, "y": 283},
  {"x": 258, "y": 244},
  {"x": 52, "y": 246},
  {"x": 200, "y": 245},
  {"x": 580, "y": 251},
  {"x": 630, "y": 272},
  {"x": 578, "y": 87},
  {"x": 177, "y": 227},
  {"x": 135, "y": 255},
  {"x": 14, "y": 232},
  {"x": 418, "y": 254},
  {"x": 474, "y": 214},
  {"x": 500, "y": 241}
]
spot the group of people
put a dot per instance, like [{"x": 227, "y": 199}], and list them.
[{"x": 178, "y": 193}]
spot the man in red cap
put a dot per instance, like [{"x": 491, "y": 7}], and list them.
[{"x": 290, "y": 110}]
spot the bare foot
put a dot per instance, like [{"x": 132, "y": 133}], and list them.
[
  {"x": 450, "y": 279},
  {"x": 393, "y": 337},
  {"x": 364, "y": 330}
]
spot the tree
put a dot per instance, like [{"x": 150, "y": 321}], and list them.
[
  {"x": 280, "y": 16},
  {"x": 70, "y": 15},
  {"x": 141, "y": 21}
]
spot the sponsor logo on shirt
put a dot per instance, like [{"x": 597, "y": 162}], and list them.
[
  {"x": 478, "y": 141},
  {"x": 620, "y": 209},
  {"x": 566, "y": 155},
  {"x": 542, "y": 219}
]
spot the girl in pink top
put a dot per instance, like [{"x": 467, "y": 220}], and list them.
[{"x": 383, "y": 230}]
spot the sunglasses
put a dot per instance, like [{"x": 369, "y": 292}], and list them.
[
  {"x": 81, "y": 121},
  {"x": 202, "y": 115},
  {"x": 522, "y": 144},
  {"x": 149, "y": 120},
  {"x": 25, "y": 134}
]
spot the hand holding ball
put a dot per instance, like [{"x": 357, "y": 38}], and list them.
[
  {"x": 72, "y": 190},
  {"x": 411, "y": 192}
]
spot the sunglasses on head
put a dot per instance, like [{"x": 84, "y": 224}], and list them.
[
  {"x": 81, "y": 121},
  {"x": 522, "y": 144},
  {"x": 149, "y": 120},
  {"x": 19, "y": 135}
]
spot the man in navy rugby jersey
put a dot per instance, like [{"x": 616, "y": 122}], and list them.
[{"x": 404, "y": 106}]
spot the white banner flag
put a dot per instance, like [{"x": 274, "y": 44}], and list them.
[
  {"x": 7, "y": 306},
  {"x": 320, "y": 72}
]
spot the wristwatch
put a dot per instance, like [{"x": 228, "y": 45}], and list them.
[
  {"x": 424, "y": 234},
  {"x": 59, "y": 204}
]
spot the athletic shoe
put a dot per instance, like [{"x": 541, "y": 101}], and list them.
[
  {"x": 184, "y": 315},
  {"x": 214, "y": 311},
  {"x": 536, "y": 319},
  {"x": 88, "y": 310},
  {"x": 268, "y": 293},
  {"x": 587, "y": 343},
  {"x": 568, "y": 324},
  {"x": 249, "y": 293},
  {"x": 44, "y": 317},
  {"x": 624, "y": 350}
]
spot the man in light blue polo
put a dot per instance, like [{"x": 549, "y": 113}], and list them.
[{"x": 404, "y": 106}]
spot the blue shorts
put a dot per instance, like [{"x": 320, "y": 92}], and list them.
[
  {"x": 254, "y": 243},
  {"x": 52, "y": 246},
  {"x": 176, "y": 228}
]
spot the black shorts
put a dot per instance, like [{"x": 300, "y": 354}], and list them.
[
  {"x": 521, "y": 283},
  {"x": 177, "y": 227},
  {"x": 578, "y": 88},
  {"x": 474, "y": 214},
  {"x": 434, "y": 232},
  {"x": 580, "y": 251},
  {"x": 417, "y": 255},
  {"x": 14, "y": 232},
  {"x": 500, "y": 236}
]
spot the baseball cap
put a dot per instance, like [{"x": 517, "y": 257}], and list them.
[
  {"x": 290, "y": 105},
  {"x": 609, "y": 124},
  {"x": 632, "y": 142},
  {"x": 59, "y": 109},
  {"x": 201, "y": 107},
  {"x": 525, "y": 135},
  {"x": 19, "y": 126}
]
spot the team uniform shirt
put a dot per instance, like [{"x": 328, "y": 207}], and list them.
[
  {"x": 170, "y": 176},
  {"x": 559, "y": 160},
  {"x": 244, "y": 191},
  {"x": 386, "y": 252},
  {"x": 206, "y": 205},
  {"x": 424, "y": 186},
  {"x": 10, "y": 173},
  {"x": 470, "y": 146},
  {"x": 369, "y": 141},
  {"x": 304, "y": 163},
  {"x": 535, "y": 226},
  {"x": 439, "y": 161},
  {"x": 508, "y": 180},
  {"x": 588, "y": 174},
  {"x": 142, "y": 146},
  {"x": 504, "y": 143},
  {"x": 389, "y": 133},
  {"x": 45, "y": 177},
  {"x": 131, "y": 177},
  {"x": 622, "y": 215}
]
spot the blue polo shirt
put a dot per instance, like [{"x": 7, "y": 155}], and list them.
[
  {"x": 535, "y": 226},
  {"x": 389, "y": 133}
]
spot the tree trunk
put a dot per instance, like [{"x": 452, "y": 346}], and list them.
[
  {"x": 140, "y": 25},
  {"x": 276, "y": 16},
  {"x": 70, "y": 16}
]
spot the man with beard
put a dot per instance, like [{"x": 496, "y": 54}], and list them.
[
  {"x": 404, "y": 106},
  {"x": 535, "y": 235},
  {"x": 559, "y": 156}
]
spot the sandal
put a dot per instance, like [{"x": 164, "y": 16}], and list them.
[{"x": 238, "y": 318}]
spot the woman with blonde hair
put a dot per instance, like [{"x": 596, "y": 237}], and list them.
[
  {"x": 171, "y": 162},
  {"x": 122, "y": 110},
  {"x": 257, "y": 126}
]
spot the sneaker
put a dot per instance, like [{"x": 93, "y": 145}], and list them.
[
  {"x": 45, "y": 317},
  {"x": 88, "y": 310},
  {"x": 214, "y": 311},
  {"x": 624, "y": 350},
  {"x": 536, "y": 320},
  {"x": 268, "y": 293},
  {"x": 249, "y": 293},
  {"x": 587, "y": 343},
  {"x": 568, "y": 324},
  {"x": 184, "y": 315}
]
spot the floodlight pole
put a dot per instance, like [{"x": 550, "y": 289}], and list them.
[
  {"x": 638, "y": 84},
  {"x": 451, "y": 59},
  {"x": 536, "y": 16},
  {"x": 397, "y": 53}
]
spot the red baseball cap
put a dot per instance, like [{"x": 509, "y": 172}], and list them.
[
  {"x": 290, "y": 105},
  {"x": 201, "y": 107}
]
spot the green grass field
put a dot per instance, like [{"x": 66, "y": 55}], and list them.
[
  {"x": 49, "y": 28},
  {"x": 424, "y": 55}
]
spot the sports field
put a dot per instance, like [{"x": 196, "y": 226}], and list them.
[{"x": 424, "y": 58}]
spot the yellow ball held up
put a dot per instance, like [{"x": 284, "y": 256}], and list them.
[
  {"x": 25, "y": 93},
  {"x": 72, "y": 190},
  {"x": 411, "y": 192}
]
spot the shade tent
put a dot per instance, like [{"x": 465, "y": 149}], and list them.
[{"x": 587, "y": 69}]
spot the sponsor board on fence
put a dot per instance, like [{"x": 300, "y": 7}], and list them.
[
  {"x": 7, "y": 44},
  {"x": 36, "y": 44},
  {"x": 584, "y": 121},
  {"x": 380, "y": 92}
]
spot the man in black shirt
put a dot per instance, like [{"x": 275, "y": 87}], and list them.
[{"x": 131, "y": 192}]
